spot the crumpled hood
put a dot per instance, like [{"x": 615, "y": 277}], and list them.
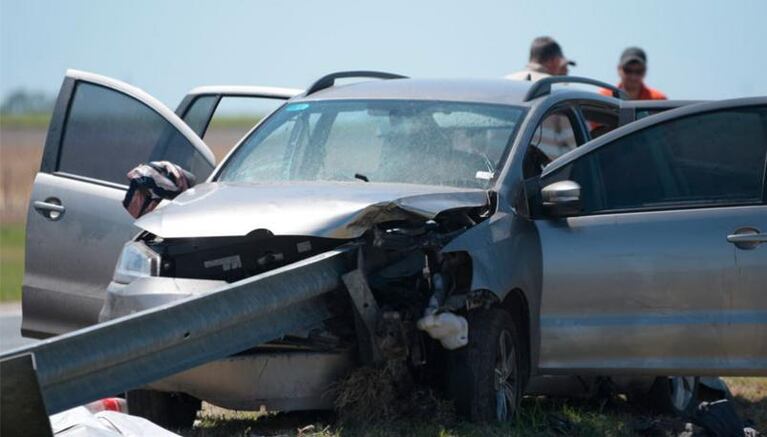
[{"x": 321, "y": 209}]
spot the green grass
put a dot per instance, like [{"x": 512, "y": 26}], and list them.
[
  {"x": 11, "y": 261},
  {"x": 606, "y": 416},
  {"x": 539, "y": 417},
  {"x": 35, "y": 120}
]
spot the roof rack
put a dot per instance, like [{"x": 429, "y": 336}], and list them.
[
  {"x": 542, "y": 87},
  {"x": 330, "y": 79}
]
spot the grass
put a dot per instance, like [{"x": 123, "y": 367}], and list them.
[
  {"x": 750, "y": 396},
  {"x": 11, "y": 261},
  {"x": 540, "y": 417},
  {"x": 613, "y": 416},
  {"x": 26, "y": 121}
]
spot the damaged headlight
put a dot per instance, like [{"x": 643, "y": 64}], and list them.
[{"x": 136, "y": 261}]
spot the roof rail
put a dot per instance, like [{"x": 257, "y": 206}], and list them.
[
  {"x": 542, "y": 87},
  {"x": 329, "y": 80}
]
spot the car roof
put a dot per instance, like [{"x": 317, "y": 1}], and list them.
[{"x": 498, "y": 91}]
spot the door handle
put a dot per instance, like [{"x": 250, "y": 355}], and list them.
[
  {"x": 747, "y": 238},
  {"x": 51, "y": 208}
]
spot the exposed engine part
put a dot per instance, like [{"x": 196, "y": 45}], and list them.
[
  {"x": 234, "y": 258},
  {"x": 392, "y": 336},
  {"x": 451, "y": 330}
]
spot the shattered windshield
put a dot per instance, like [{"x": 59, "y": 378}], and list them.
[{"x": 417, "y": 142}]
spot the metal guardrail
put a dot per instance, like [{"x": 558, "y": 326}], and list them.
[{"x": 134, "y": 350}]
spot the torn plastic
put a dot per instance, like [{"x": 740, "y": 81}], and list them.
[{"x": 451, "y": 330}]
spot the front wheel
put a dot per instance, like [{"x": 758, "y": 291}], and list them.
[
  {"x": 486, "y": 378},
  {"x": 676, "y": 395}
]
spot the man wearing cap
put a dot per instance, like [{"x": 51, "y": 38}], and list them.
[
  {"x": 546, "y": 59},
  {"x": 632, "y": 69}
]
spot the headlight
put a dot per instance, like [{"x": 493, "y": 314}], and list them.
[{"x": 136, "y": 261}]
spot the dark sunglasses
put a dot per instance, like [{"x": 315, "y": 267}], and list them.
[{"x": 637, "y": 71}]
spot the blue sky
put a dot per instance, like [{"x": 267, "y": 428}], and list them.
[{"x": 696, "y": 49}]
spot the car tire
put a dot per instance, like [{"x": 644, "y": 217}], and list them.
[
  {"x": 486, "y": 378},
  {"x": 677, "y": 395},
  {"x": 169, "y": 410}
]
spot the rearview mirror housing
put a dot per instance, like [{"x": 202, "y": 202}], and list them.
[{"x": 561, "y": 199}]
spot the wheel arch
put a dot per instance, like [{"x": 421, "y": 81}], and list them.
[{"x": 517, "y": 305}]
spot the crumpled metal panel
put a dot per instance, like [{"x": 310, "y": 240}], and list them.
[{"x": 321, "y": 209}]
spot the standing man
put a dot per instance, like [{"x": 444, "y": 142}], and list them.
[
  {"x": 546, "y": 59},
  {"x": 632, "y": 68}
]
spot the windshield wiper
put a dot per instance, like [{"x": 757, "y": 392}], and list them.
[{"x": 361, "y": 177}]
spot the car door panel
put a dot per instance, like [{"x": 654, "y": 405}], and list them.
[
  {"x": 66, "y": 275},
  {"x": 750, "y": 301},
  {"x": 644, "y": 280},
  {"x": 643, "y": 292},
  {"x": 76, "y": 225}
]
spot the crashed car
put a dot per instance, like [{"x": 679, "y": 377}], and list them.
[{"x": 507, "y": 232}]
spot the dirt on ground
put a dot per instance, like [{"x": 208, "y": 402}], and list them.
[{"x": 612, "y": 415}]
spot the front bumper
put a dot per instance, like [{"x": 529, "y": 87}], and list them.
[{"x": 279, "y": 379}]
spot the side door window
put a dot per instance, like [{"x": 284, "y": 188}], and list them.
[
  {"x": 222, "y": 115},
  {"x": 554, "y": 136},
  {"x": 108, "y": 133},
  {"x": 598, "y": 119},
  {"x": 710, "y": 159}
]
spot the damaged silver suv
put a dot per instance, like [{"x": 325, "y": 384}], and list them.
[{"x": 498, "y": 249}]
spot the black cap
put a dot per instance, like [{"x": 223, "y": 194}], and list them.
[
  {"x": 633, "y": 54},
  {"x": 544, "y": 48}
]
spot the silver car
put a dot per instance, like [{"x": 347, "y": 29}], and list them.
[{"x": 509, "y": 231}]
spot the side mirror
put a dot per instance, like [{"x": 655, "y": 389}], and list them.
[{"x": 561, "y": 199}]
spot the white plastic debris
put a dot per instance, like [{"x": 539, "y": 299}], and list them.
[
  {"x": 81, "y": 422},
  {"x": 450, "y": 329}
]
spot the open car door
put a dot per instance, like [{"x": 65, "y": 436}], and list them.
[{"x": 76, "y": 224}]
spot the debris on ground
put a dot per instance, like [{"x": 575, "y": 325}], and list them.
[
  {"x": 82, "y": 422},
  {"x": 370, "y": 395}
]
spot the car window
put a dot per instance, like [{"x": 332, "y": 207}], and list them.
[
  {"x": 108, "y": 133},
  {"x": 552, "y": 138},
  {"x": 709, "y": 159},
  {"x": 234, "y": 117},
  {"x": 555, "y": 136},
  {"x": 599, "y": 119},
  {"x": 198, "y": 114}
]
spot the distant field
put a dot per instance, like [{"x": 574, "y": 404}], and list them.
[
  {"x": 29, "y": 121},
  {"x": 11, "y": 261}
]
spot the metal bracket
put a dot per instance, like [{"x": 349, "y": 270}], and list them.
[
  {"x": 22, "y": 410},
  {"x": 367, "y": 314}
]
